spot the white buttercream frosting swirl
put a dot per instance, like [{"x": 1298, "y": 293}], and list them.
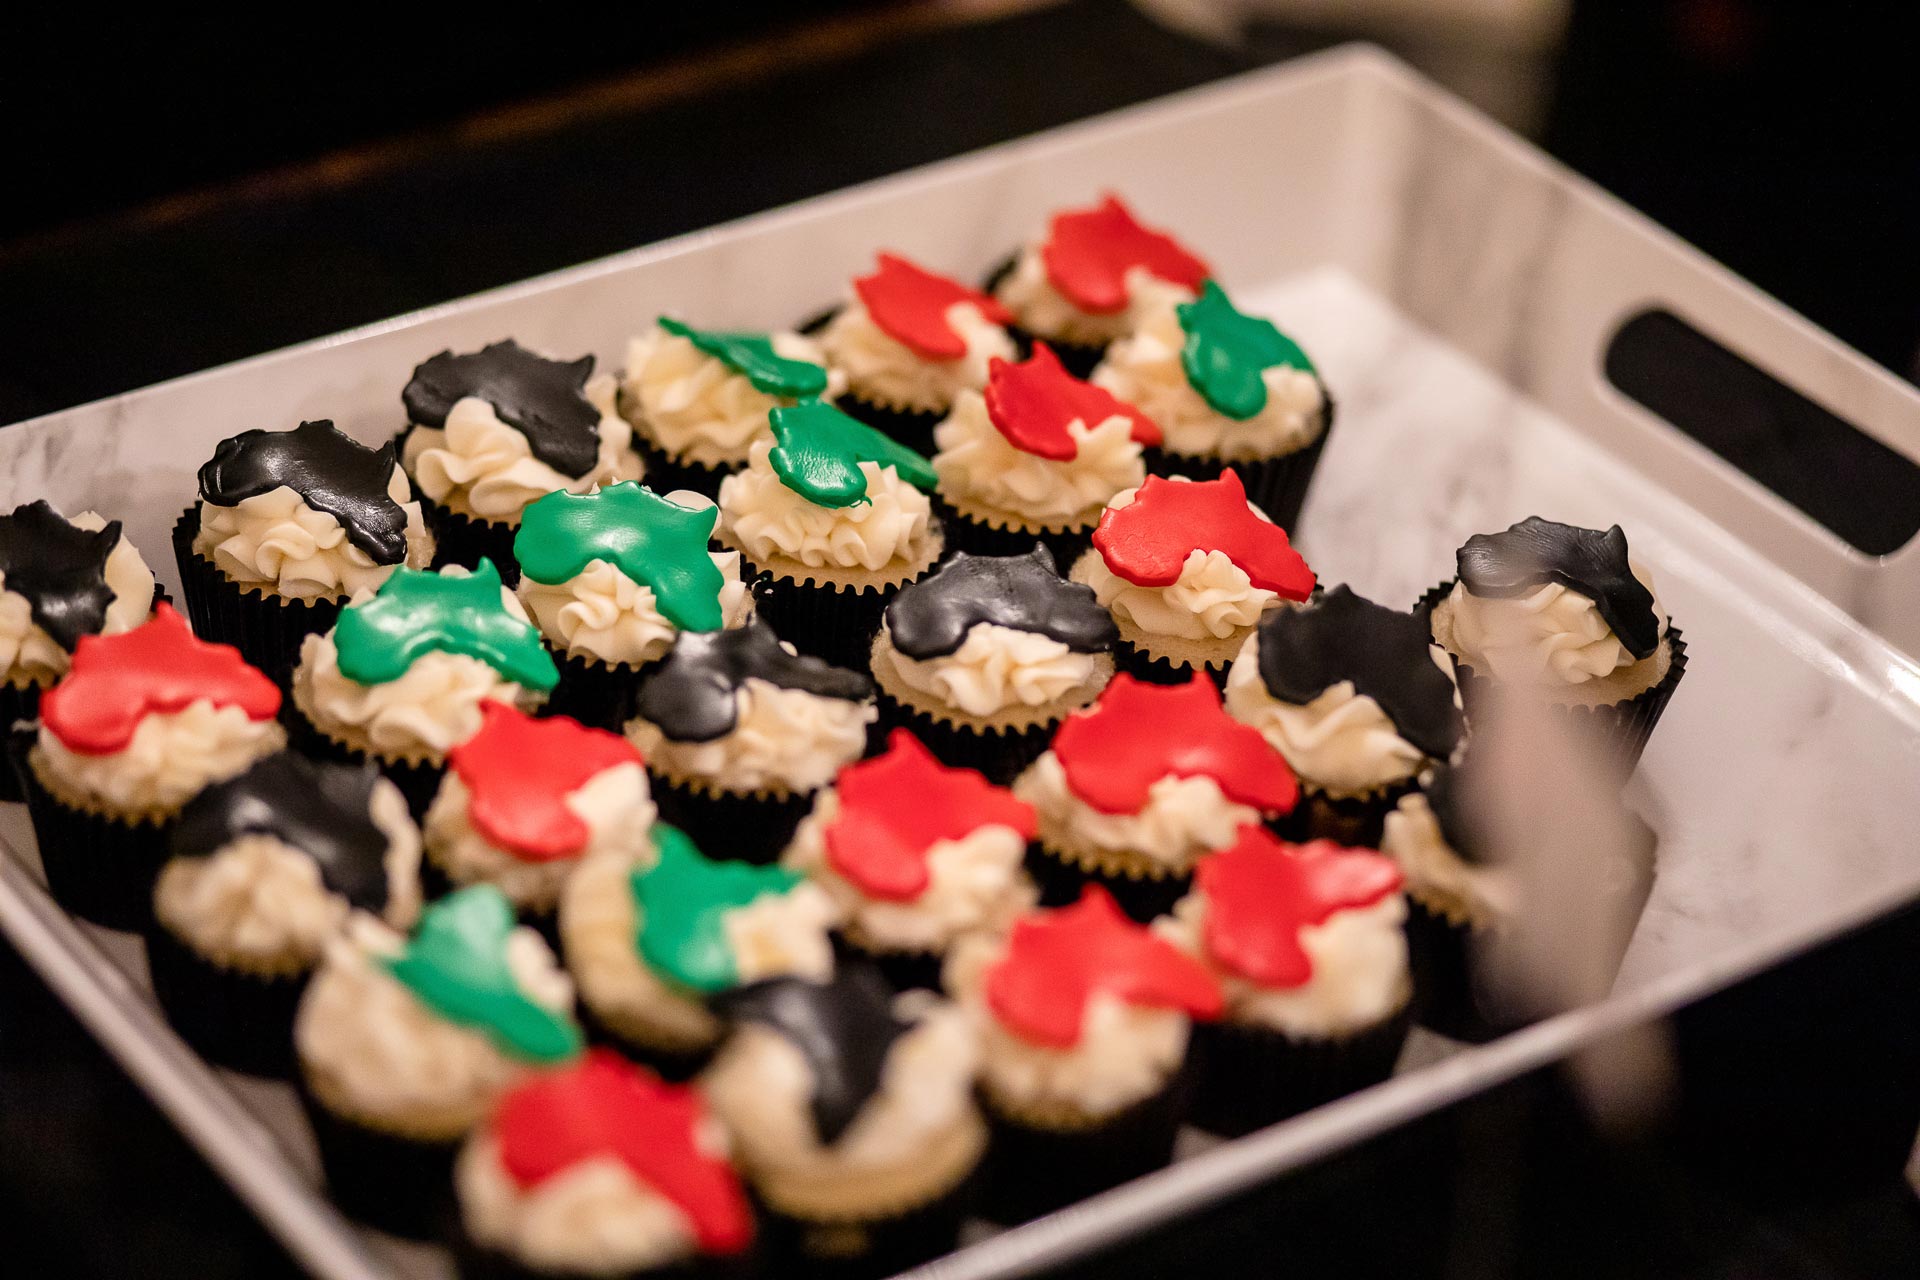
[
  {"x": 171, "y": 757},
  {"x": 698, "y": 408},
  {"x": 275, "y": 541},
  {"x": 1181, "y": 819},
  {"x": 1045, "y": 312},
  {"x": 769, "y": 521},
  {"x": 977, "y": 464},
  {"x": 994, "y": 668},
  {"x": 786, "y": 740},
  {"x": 885, "y": 371},
  {"x": 1437, "y": 876},
  {"x": 603, "y": 615},
  {"x": 28, "y": 655},
  {"x": 1551, "y": 635}
]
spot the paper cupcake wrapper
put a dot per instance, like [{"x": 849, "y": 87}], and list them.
[
  {"x": 475, "y": 1261},
  {"x": 1032, "y": 1170},
  {"x": 18, "y": 702},
  {"x": 663, "y": 473},
  {"x": 1061, "y": 878},
  {"x": 877, "y": 1246},
  {"x": 1440, "y": 952},
  {"x": 97, "y": 867},
  {"x": 462, "y": 540},
  {"x": 964, "y": 533},
  {"x": 594, "y": 693},
  {"x": 676, "y": 1064},
  {"x": 1249, "y": 1077},
  {"x": 382, "y": 1179},
  {"x": 235, "y": 1019},
  {"x": 1621, "y": 729},
  {"x": 1000, "y": 756},
  {"x": 418, "y": 780},
  {"x": 266, "y": 628},
  {"x": 910, "y": 427},
  {"x": 824, "y": 621},
  {"x": 1278, "y": 486},
  {"x": 905, "y": 970},
  {"x": 1078, "y": 358},
  {"x": 728, "y": 825},
  {"x": 1141, "y": 665},
  {"x": 1355, "y": 821}
]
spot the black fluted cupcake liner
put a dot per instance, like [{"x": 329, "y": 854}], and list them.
[
  {"x": 868, "y": 1248},
  {"x": 235, "y": 1019},
  {"x": 1141, "y": 897},
  {"x": 266, "y": 628},
  {"x": 18, "y": 702},
  {"x": 97, "y": 867},
  {"x": 1622, "y": 729},
  {"x": 1248, "y": 1077},
  {"x": 663, "y": 473},
  {"x": 1355, "y": 821},
  {"x": 1141, "y": 665},
  {"x": 1278, "y": 485},
  {"x": 729, "y": 826},
  {"x": 676, "y": 1065},
  {"x": 1440, "y": 953},
  {"x": 462, "y": 540},
  {"x": 382, "y": 1179},
  {"x": 417, "y": 780},
  {"x": 964, "y": 533},
  {"x": 904, "y": 970},
  {"x": 595, "y": 694},
  {"x": 1032, "y": 1171},
  {"x": 1078, "y": 358},
  {"x": 475, "y": 1261},
  {"x": 999, "y": 755},
  {"x": 910, "y": 427},
  {"x": 827, "y": 622}
]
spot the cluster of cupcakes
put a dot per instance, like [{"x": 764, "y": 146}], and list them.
[{"x": 778, "y": 801}]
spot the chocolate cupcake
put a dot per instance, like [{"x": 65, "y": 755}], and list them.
[
  {"x": 651, "y": 938},
  {"x": 1564, "y": 616},
  {"x": 698, "y": 399},
  {"x": 1084, "y": 1018},
  {"x": 289, "y": 525},
  {"x": 1228, "y": 391},
  {"x": 1357, "y": 698},
  {"x": 264, "y": 870},
  {"x": 909, "y": 342},
  {"x": 524, "y": 801},
  {"x": 852, "y": 1114},
  {"x": 1086, "y": 282},
  {"x": 610, "y": 577},
  {"x": 917, "y": 855},
  {"x": 832, "y": 520},
  {"x": 739, "y": 731},
  {"x": 403, "y": 675},
  {"x": 406, "y": 1042},
  {"x": 1038, "y": 454},
  {"x": 1188, "y": 568},
  {"x": 141, "y": 723},
  {"x": 599, "y": 1171},
  {"x": 1307, "y": 944},
  {"x": 496, "y": 429},
  {"x": 983, "y": 658},
  {"x": 1138, "y": 786}
]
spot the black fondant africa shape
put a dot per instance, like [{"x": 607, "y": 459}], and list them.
[
  {"x": 329, "y": 469},
  {"x": 544, "y": 400},
  {"x": 690, "y": 695},
  {"x": 1536, "y": 552},
  {"x": 60, "y": 568},
  {"x": 931, "y": 618}
]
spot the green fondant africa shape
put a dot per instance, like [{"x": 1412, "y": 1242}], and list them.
[
  {"x": 818, "y": 450},
  {"x": 683, "y": 903},
  {"x": 420, "y": 611},
  {"x": 456, "y": 964},
  {"x": 752, "y": 356},
  {"x": 1227, "y": 350},
  {"x": 659, "y": 544}
]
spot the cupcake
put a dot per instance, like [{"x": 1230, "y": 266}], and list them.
[
  {"x": 403, "y": 675},
  {"x": 1229, "y": 392},
  {"x": 289, "y": 525},
  {"x": 739, "y": 731},
  {"x": 524, "y": 801},
  {"x": 1085, "y": 283},
  {"x": 490, "y": 431},
  {"x": 1038, "y": 454},
  {"x": 699, "y": 399},
  {"x": 599, "y": 1171},
  {"x": 832, "y": 520},
  {"x": 909, "y": 342},
  {"x": 405, "y": 1043},
  {"x": 917, "y": 855},
  {"x": 650, "y": 939},
  {"x": 985, "y": 656},
  {"x": 611, "y": 577},
  {"x": 1084, "y": 1017},
  {"x": 1307, "y": 944},
  {"x": 1188, "y": 568},
  {"x": 1566, "y": 616},
  {"x": 264, "y": 870},
  {"x": 141, "y": 723},
  {"x": 60, "y": 579},
  {"x": 852, "y": 1114},
  {"x": 1138, "y": 786},
  {"x": 1357, "y": 698}
]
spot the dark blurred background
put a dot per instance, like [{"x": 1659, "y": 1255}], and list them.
[{"x": 181, "y": 191}]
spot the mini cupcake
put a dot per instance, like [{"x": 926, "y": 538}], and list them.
[
  {"x": 985, "y": 656},
  {"x": 141, "y": 723},
  {"x": 699, "y": 399},
  {"x": 524, "y": 801},
  {"x": 265, "y": 868},
  {"x": 1307, "y": 944},
  {"x": 490, "y": 431},
  {"x": 288, "y": 526},
  {"x": 739, "y": 731},
  {"x": 1357, "y": 698},
  {"x": 1087, "y": 281},
  {"x": 611, "y": 577},
  {"x": 909, "y": 342},
  {"x": 406, "y": 1042},
  {"x": 1084, "y": 1018},
  {"x": 1229, "y": 391},
  {"x": 832, "y": 520},
  {"x": 852, "y": 1114},
  {"x": 60, "y": 579},
  {"x": 403, "y": 675},
  {"x": 1188, "y": 568},
  {"x": 1039, "y": 454},
  {"x": 1565, "y": 615},
  {"x": 650, "y": 939},
  {"x": 599, "y": 1171},
  {"x": 917, "y": 855},
  {"x": 1141, "y": 784}
]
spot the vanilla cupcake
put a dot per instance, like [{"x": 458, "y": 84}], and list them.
[
  {"x": 698, "y": 399},
  {"x": 490, "y": 431}
]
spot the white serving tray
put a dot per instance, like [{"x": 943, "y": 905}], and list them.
[{"x": 1457, "y": 289}]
